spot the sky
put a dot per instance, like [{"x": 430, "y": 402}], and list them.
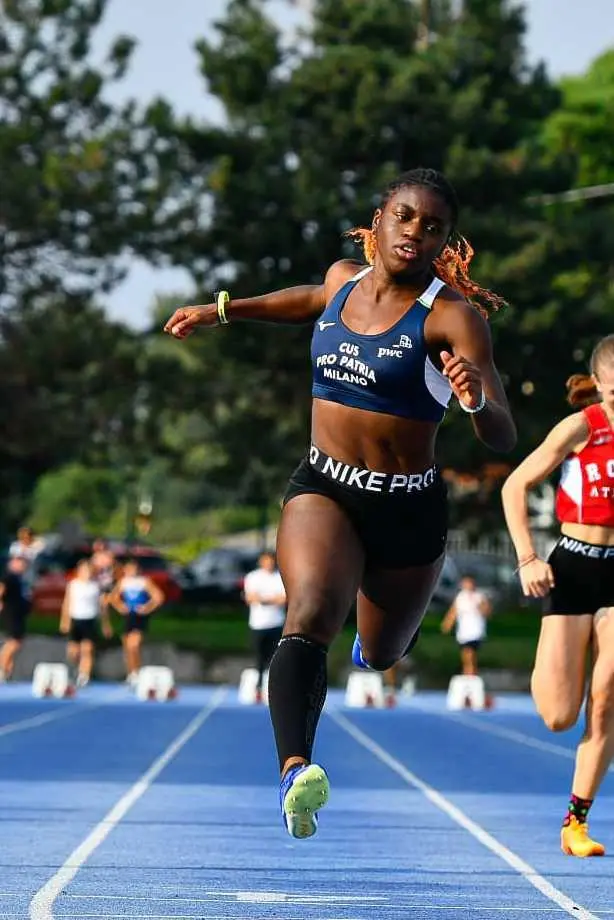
[{"x": 567, "y": 36}]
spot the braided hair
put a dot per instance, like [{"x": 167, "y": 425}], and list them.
[{"x": 452, "y": 266}]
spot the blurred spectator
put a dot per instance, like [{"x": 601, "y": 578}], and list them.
[
  {"x": 135, "y": 597},
  {"x": 266, "y": 597},
  {"x": 469, "y": 612},
  {"x": 27, "y": 545},
  {"x": 82, "y": 608},
  {"x": 15, "y": 601}
]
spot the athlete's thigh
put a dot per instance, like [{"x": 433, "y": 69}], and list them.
[
  {"x": 602, "y": 677},
  {"x": 391, "y": 606},
  {"x": 320, "y": 559},
  {"x": 559, "y": 673}
]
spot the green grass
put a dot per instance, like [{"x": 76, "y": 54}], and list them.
[{"x": 216, "y": 631}]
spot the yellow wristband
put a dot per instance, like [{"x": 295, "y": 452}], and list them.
[{"x": 222, "y": 299}]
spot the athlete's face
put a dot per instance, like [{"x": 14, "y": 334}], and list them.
[
  {"x": 412, "y": 230},
  {"x": 605, "y": 384}
]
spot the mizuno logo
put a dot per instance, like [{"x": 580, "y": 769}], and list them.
[{"x": 324, "y": 326}]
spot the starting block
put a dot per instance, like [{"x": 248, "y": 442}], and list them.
[
  {"x": 248, "y": 683},
  {"x": 365, "y": 688},
  {"x": 51, "y": 680},
  {"x": 155, "y": 683},
  {"x": 467, "y": 691}
]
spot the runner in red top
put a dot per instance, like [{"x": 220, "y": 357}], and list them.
[
  {"x": 586, "y": 490},
  {"x": 576, "y": 582}
]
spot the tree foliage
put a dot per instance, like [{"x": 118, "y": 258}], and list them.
[
  {"x": 82, "y": 180},
  {"x": 315, "y": 128}
]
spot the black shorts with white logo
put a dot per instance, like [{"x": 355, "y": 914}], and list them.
[
  {"x": 401, "y": 519},
  {"x": 83, "y": 630},
  {"x": 583, "y": 576}
]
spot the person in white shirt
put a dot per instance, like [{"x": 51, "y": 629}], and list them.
[
  {"x": 82, "y": 609},
  {"x": 469, "y": 612},
  {"x": 265, "y": 595},
  {"x": 27, "y": 546}
]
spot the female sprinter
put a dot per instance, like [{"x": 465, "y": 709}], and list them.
[
  {"x": 577, "y": 582},
  {"x": 365, "y": 513}
]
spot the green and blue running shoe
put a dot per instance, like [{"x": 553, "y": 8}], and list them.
[{"x": 304, "y": 789}]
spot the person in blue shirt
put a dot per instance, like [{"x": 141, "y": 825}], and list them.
[
  {"x": 135, "y": 597},
  {"x": 365, "y": 514}
]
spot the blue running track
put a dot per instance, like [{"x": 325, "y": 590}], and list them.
[{"x": 115, "y": 808}]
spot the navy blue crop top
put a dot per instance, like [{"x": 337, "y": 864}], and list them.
[{"x": 389, "y": 372}]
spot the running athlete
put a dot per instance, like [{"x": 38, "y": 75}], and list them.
[
  {"x": 136, "y": 597},
  {"x": 365, "y": 514},
  {"x": 82, "y": 608},
  {"x": 576, "y": 582}
]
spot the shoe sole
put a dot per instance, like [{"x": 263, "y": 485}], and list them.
[
  {"x": 307, "y": 795},
  {"x": 569, "y": 852}
]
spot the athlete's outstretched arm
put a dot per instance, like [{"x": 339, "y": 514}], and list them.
[
  {"x": 565, "y": 437},
  {"x": 294, "y": 305}
]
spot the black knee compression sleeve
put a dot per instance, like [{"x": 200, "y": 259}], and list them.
[{"x": 297, "y": 690}]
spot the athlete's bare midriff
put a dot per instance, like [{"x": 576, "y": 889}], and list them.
[
  {"x": 372, "y": 440},
  {"x": 589, "y": 533}
]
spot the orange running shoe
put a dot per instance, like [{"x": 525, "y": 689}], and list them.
[{"x": 576, "y": 842}]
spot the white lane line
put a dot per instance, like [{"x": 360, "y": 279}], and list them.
[
  {"x": 59, "y": 712},
  {"x": 468, "y": 912},
  {"x": 41, "y": 905},
  {"x": 405, "y": 902},
  {"x": 511, "y": 734},
  {"x": 530, "y": 874}
]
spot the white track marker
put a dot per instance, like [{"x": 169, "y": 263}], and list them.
[
  {"x": 41, "y": 905},
  {"x": 530, "y": 874}
]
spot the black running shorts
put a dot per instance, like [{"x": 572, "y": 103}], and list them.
[
  {"x": 136, "y": 622},
  {"x": 401, "y": 519},
  {"x": 583, "y": 576},
  {"x": 83, "y": 630}
]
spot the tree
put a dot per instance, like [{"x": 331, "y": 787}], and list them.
[
  {"x": 74, "y": 388},
  {"x": 86, "y": 495},
  {"x": 82, "y": 181}
]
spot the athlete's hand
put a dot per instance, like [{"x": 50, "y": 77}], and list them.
[
  {"x": 107, "y": 631},
  {"x": 184, "y": 321},
  {"x": 465, "y": 379},
  {"x": 64, "y": 628},
  {"x": 536, "y": 578}
]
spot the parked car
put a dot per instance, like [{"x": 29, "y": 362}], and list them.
[
  {"x": 217, "y": 576},
  {"x": 53, "y": 569}
]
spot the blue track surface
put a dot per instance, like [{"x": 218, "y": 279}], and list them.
[{"x": 432, "y": 815}]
